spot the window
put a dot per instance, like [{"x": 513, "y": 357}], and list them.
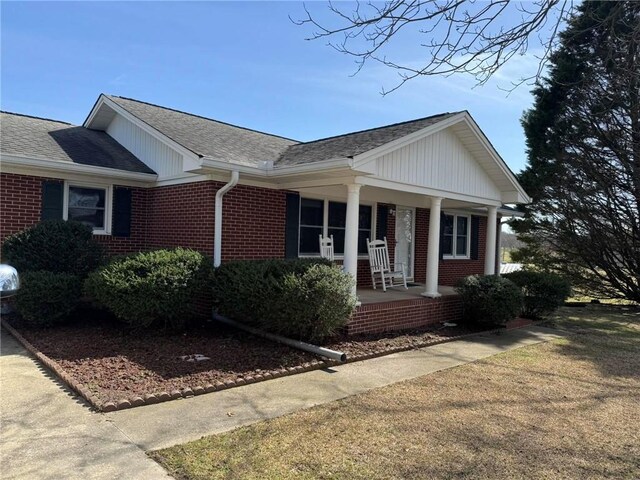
[
  {"x": 311, "y": 226},
  {"x": 313, "y": 222},
  {"x": 455, "y": 236},
  {"x": 88, "y": 205}
]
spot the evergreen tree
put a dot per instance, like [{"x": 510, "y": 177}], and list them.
[{"x": 583, "y": 170}]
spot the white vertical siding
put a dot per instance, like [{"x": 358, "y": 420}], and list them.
[
  {"x": 161, "y": 158},
  {"x": 439, "y": 161}
]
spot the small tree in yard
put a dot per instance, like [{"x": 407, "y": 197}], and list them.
[{"x": 583, "y": 172}]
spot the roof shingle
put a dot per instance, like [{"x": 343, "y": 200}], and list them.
[
  {"x": 207, "y": 137},
  {"x": 352, "y": 144},
  {"x": 233, "y": 144},
  {"x": 61, "y": 141}
]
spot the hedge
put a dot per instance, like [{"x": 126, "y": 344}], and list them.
[
  {"x": 307, "y": 299},
  {"x": 46, "y": 298},
  {"x": 56, "y": 246},
  {"x": 156, "y": 287},
  {"x": 489, "y": 299},
  {"x": 543, "y": 292}
]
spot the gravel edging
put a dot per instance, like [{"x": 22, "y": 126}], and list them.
[{"x": 151, "y": 398}]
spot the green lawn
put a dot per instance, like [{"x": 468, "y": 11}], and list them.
[{"x": 566, "y": 409}]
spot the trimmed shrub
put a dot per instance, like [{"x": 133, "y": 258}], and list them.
[
  {"x": 151, "y": 287},
  {"x": 543, "y": 292},
  {"x": 312, "y": 305},
  {"x": 47, "y": 298},
  {"x": 307, "y": 299},
  {"x": 489, "y": 299},
  {"x": 56, "y": 246}
]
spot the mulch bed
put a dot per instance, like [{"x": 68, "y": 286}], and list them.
[
  {"x": 358, "y": 347},
  {"x": 115, "y": 369}
]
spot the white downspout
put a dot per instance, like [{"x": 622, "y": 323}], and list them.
[{"x": 217, "y": 229}]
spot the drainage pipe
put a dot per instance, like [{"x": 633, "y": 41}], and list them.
[
  {"x": 307, "y": 347},
  {"x": 217, "y": 228}
]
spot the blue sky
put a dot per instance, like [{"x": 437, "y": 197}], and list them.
[{"x": 243, "y": 63}]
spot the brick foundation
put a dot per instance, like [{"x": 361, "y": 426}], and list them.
[{"x": 405, "y": 314}]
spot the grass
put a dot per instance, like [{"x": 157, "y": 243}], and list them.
[{"x": 565, "y": 409}]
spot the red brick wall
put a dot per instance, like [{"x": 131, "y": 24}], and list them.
[
  {"x": 405, "y": 314},
  {"x": 20, "y": 202},
  {"x": 181, "y": 216},
  {"x": 453, "y": 270},
  {"x": 450, "y": 271},
  {"x": 254, "y": 223}
]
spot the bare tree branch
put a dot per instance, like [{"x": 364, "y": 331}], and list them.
[{"x": 461, "y": 36}]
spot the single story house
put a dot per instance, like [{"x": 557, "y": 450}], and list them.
[{"x": 146, "y": 176}]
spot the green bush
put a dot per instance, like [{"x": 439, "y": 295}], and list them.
[
  {"x": 55, "y": 246},
  {"x": 543, "y": 292},
  {"x": 490, "y": 299},
  {"x": 47, "y": 298},
  {"x": 307, "y": 299},
  {"x": 151, "y": 287}
]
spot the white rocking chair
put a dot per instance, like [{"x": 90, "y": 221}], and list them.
[
  {"x": 380, "y": 265},
  {"x": 326, "y": 247}
]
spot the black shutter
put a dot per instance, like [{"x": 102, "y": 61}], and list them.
[
  {"x": 121, "y": 212},
  {"x": 475, "y": 236},
  {"x": 441, "y": 243},
  {"x": 292, "y": 225},
  {"x": 382, "y": 220},
  {"x": 52, "y": 200}
]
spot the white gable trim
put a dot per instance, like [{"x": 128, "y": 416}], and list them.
[
  {"x": 370, "y": 155},
  {"x": 360, "y": 161},
  {"x": 103, "y": 100}
]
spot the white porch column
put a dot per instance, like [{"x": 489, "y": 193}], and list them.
[
  {"x": 490, "y": 251},
  {"x": 351, "y": 231},
  {"x": 433, "y": 250}
]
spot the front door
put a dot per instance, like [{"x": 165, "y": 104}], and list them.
[{"x": 405, "y": 229}]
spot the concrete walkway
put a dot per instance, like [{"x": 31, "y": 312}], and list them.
[
  {"x": 47, "y": 433},
  {"x": 170, "y": 423}
]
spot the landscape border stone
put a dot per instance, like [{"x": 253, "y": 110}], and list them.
[{"x": 155, "y": 397}]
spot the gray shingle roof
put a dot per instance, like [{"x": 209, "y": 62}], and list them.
[
  {"x": 207, "y": 137},
  {"x": 61, "y": 141},
  {"x": 353, "y": 144},
  {"x": 230, "y": 143}
]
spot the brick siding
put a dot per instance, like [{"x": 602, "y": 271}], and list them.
[
  {"x": 254, "y": 223},
  {"x": 181, "y": 216},
  {"x": 405, "y": 314},
  {"x": 20, "y": 202},
  {"x": 254, "y": 227}
]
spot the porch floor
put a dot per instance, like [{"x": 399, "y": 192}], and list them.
[{"x": 369, "y": 295}]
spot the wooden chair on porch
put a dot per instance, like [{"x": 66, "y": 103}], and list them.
[
  {"x": 326, "y": 247},
  {"x": 381, "y": 266}
]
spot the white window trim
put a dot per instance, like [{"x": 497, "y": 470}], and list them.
[
  {"x": 453, "y": 256},
  {"x": 108, "y": 201},
  {"x": 325, "y": 222}
]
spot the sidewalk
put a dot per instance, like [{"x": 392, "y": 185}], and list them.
[
  {"x": 47, "y": 433},
  {"x": 170, "y": 423}
]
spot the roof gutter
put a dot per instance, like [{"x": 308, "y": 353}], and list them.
[{"x": 217, "y": 233}]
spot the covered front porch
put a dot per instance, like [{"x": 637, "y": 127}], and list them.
[{"x": 435, "y": 195}]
